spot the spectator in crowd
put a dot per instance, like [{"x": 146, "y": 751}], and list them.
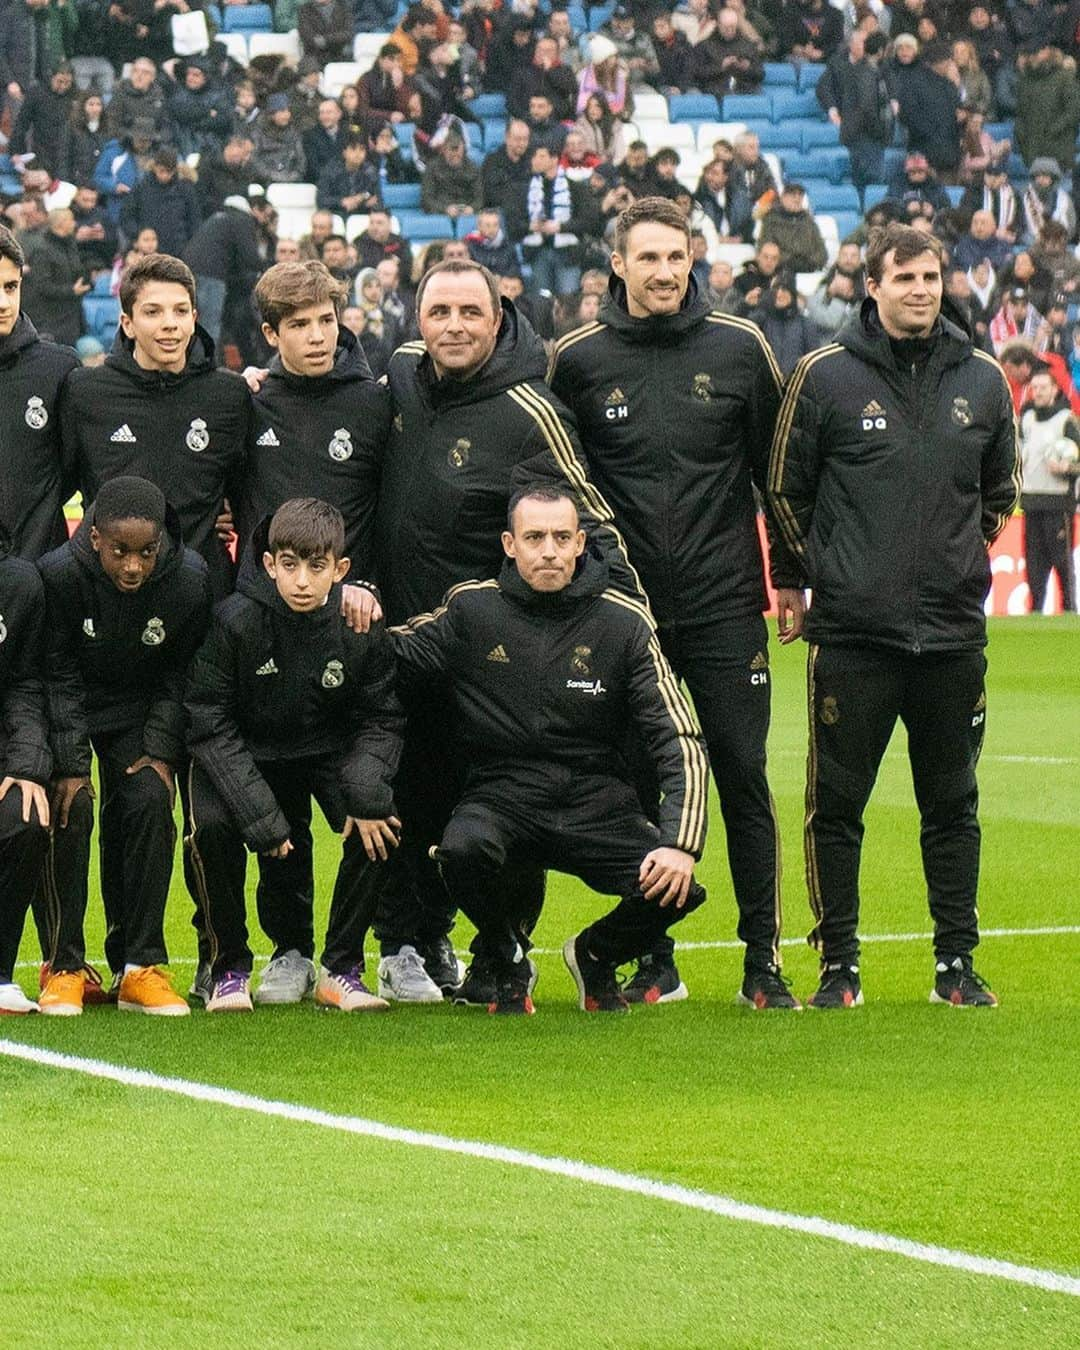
[
  {"x": 379, "y": 241},
  {"x": 95, "y": 235},
  {"x": 1059, "y": 330},
  {"x": 551, "y": 244},
  {"x": 928, "y": 101},
  {"x": 576, "y": 158},
  {"x": 673, "y": 55},
  {"x": 980, "y": 302},
  {"x": 397, "y": 301},
  {"x": 855, "y": 97},
  {"x": 988, "y": 35},
  {"x": 721, "y": 286},
  {"x": 351, "y": 185},
  {"x": 635, "y": 50},
  {"x": 695, "y": 19},
  {"x": 319, "y": 231},
  {"x": 839, "y": 294},
  {"x": 1051, "y": 254},
  {"x": 917, "y": 189},
  {"x": 417, "y": 31},
  {"x": 601, "y": 130},
  {"x": 1047, "y": 107},
  {"x": 437, "y": 84},
  {"x": 245, "y": 112},
  {"x": 636, "y": 169},
  {"x": 1031, "y": 24},
  {"x": 1045, "y": 199},
  {"x": 566, "y": 37},
  {"x": 229, "y": 174},
  {"x": 505, "y": 171},
  {"x": 730, "y": 212},
  {"x": 323, "y": 143},
  {"x": 1023, "y": 271},
  {"x": 958, "y": 288},
  {"x": 224, "y": 256},
  {"x": 787, "y": 330},
  {"x": 545, "y": 74},
  {"x": 287, "y": 250},
  {"x": 470, "y": 72},
  {"x": 85, "y": 136},
  {"x": 726, "y": 62},
  {"x": 980, "y": 241},
  {"x": 544, "y": 127},
  {"x": 1048, "y": 499},
  {"x": 757, "y": 275},
  {"x": 387, "y": 157},
  {"x": 978, "y": 149},
  {"x": 42, "y": 124},
  {"x": 36, "y": 37},
  {"x": 55, "y": 282},
  {"x": 122, "y": 164},
  {"x": 994, "y": 193},
  {"x": 1019, "y": 362},
  {"x": 750, "y": 174},
  {"x": 374, "y": 16},
  {"x": 163, "y": 201},
  {"x": 305, "y": 95},
  {"x": 790, "y": 225},
  {"x": 489, "y": 245},
  {"x": 663, "y": 171},
  {"x": 201, "y": 112},
  {"x": 380, "y": 329},
  {"x": 975, "y": 91},
  {"x": 605, "y": 74},
  {"x": 384, "y": 90},
  {"x": 325, "y": 28},
  {"x": 451, "y": 184},
  {"x": 1017, "y": 318},
  {"x": 335, "y": 254},
  {"x": 810, "y": 30},
  {"x": 279, "y": 151},
  {"x": 142, "y": 95}
]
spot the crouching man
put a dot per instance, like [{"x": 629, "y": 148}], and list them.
[{"x": 546, "y": 666}]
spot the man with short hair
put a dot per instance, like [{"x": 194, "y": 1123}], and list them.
[
  {"x": 855, "y": 97},
  {"x": 42, "y": 126},
  {"x": 163, "y": 201},
  {"x": 506, "y": 170},
  {"x": 323, "y": 144},
  {"x": 750, "y": 173},
  {"x": 379, "y": 241},
  {"x": 1047, "y": 431},
  {"x": 228, "y": 174},
  {"x": 726, "y": 62},
  {"x": 552, "y": 209},
  {"x": 544, "y": 75},
  {"x": 384, "y": 90},
  {"x": 898, "y": 566},
  {"x": 658, "y": 358},
  {"x": 56, "y": 280},
  {"x": 980, "y": 241},
  {"x": 352, "y": 185},
  {"x": 141, "y": 95}
]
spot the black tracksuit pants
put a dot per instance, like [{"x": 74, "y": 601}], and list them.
[
  {"x": 855, "y": 696},
  {"x": 137, "y": 841},
  {"x": 1048, "y": 548},
  {"x": 22, "y": 849},
  {"x": 587, "y": 824},
  {"x": 724, "y": 665},
  {"x": 285, "y": 902}
]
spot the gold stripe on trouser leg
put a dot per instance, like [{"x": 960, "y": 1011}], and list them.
[
  {"x": 778, "y": 905},
  {"x": 198, "y": 870},
  {"x": 813, "y": 882}
]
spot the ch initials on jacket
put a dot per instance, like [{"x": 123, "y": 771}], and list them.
[
  {"x": 874, "y": 417},
  {"x": 616, "y": 408}
]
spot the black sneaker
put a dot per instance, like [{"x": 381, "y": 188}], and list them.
[
  {"x": 598, "y": 989},
  {"x": 480, "y": 985},
  {"x": 442, "y": 965},
  {"x": 764, "y": 987},
  {"x": 656, "y": 980},
  {"x": 955, "y": 982},
  {"x": 514, "y": 990},
  {"x": 840, "y": 987}
]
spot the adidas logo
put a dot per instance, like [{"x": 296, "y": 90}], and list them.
[
  {"x": 123, "y": 435},
  {"x": 268, "y": 669},
  {"x": 614, "y": 398},
  {"x": 759, "y": 662},
  {"x": 498, "y": 654},
  {"x": 873, "y": 409},
  {"x": 268, "y": 438},
  {"x": 980, "y": 703}
]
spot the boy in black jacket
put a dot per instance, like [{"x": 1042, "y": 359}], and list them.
[
  {"x": 24, "y": 760},
  {"x": 286, "y": 703},
  {"x": 127, "y": 606}
]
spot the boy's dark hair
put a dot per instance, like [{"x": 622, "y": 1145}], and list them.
[
  {"x": 154, "y": 267},
  {"x": 649, "y": 210},
  {"x": 903, "y": 242},
  {"x": 10, "y": 248},
  {"x": 308, "y": 527},
  {"x": 129, "y": 498},
  {"x": 541, "y": 492},
  {"x": 289, "y": 286},
  {"x": 355, "y": 140}
]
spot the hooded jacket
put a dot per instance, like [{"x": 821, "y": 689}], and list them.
[
  {"x": 457, "y": 451},
  {"x": 553, "y": 680},
  {"x": 24, "y": 733},
  {"x": 320, "y": 436},
  {"x": 270, "y": 684},
  {"x": 116, "y": 662},
  {"x": 35, "y": 477},
  {"x": 185, "y": 432},
  {"x": 888, "y": 483},
  {"x": 679, "y": 470}
]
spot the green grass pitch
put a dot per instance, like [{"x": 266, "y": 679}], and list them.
[{"x": 133, "y": 1217}]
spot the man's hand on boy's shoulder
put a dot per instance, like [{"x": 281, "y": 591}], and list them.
[
  {"x": 375, "y": 835},
  {"x": 224, "y": 525},
  {"x": 360, "y": 608},
  {"x": 64, "y": 792},
  {"x": 255, "y": 377},
  {"x": 163, "y": 771}
]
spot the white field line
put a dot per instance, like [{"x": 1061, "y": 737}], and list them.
[
  {"x": 719, "y": 946},
  {"x": 606, "y": 1177}
]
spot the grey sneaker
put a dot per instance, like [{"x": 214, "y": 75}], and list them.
[
  {"x": 288, "y": 978},
  {"x": 202, "y": 986},
  {"x": 404, "y": 979}
]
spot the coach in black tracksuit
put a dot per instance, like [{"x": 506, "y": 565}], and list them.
[
  {"x": 24, "y": 747},
  {"x": 676, "y": 412},
  {"x": 186, "y": 432},
  {"x": 319, "y": 436},
  {"x": 893, "y": 468},
  {"x": 283, "y": 707},
  {"x": 115, "y": 670}
]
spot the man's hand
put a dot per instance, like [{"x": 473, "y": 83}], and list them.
[
  {"x": 64, "y": 792},
  {"x": 82, "y": 287},
  {"x": 375, "y": 835},
  {"x": 33, "y": 798},
  {"x": 163, "y": 771},
  {"x": 359, "y": 608},
  {"x": 280, "y": 850},
  {"x": 223, "y": 524},
  {"x": 256, "y": 377},
  {"x": 665, "y": 876},
  {"x": 790, "y": 613}
]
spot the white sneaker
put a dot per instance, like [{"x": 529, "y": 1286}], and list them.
[
  {"x": 347, "y": 992},
  {"x": 288, "y": 978},
  {"x": 404, "y": 979},
  {"x": 230, "y": 993},
  {"x": 13, "y": 1000}
]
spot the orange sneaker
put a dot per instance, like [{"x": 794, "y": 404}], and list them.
[
  {"x": 147, "y": 990},
  {"x": 63, "y": 994},
  {"x": 94, "y": 990}
]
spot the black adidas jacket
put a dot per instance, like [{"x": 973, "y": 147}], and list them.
[
  {"x": 24, "y": 735},
  {"x": 888, "y": 484},
  {"x": 556, "y": 679},
  {"x": 185, "y": 432},
  {"x": 35, "y": 479},
  {"x": 321, "y": 437},
  {"x": 457, "y": 451},
  {"x": 270, "y": 685},
  {"x": 676, "y": 414},
  {"x": 114, "y": 661}
]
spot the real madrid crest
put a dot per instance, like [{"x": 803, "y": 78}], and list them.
[
  {"x": 3, "y": 628},
  {"x": 579, "y": 660},
  {"x": 334, "y": 675},
  {"x": 702, "y": 387},
  {"x": 36, "y": 414},
  {"x": 458, "y": 456},
  {"x": 198, "y": 438},
  {"x": 341, "y": 446},
  {"x": 961, "y": 412},
  {"x": 830, "y": 713},
  {"x": 153, "y": 635}
]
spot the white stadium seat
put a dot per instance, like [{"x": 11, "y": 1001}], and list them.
[
  {"x": 337, "y": 74},
  {"x": 292, "y": 196},
  {"x": 650, "y": 106}
]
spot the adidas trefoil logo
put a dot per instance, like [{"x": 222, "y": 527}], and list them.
[
  {"x": 268, "y": 669},
  {"x": 873, "y": 417},
  {"x": 873, "y": 409},
  {"x": 123, "y": 436},
  {"x": 759, "y": 662},
  {"x": 498, "y": 655},
  {"x": 615, "y": 398},
  {"x": 268, "y": 438}
]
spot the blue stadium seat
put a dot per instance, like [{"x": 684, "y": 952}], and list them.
[
  {"x": 1016, "y": 167},
  {"x": 693, "y": 108},
  {"x": 874, "y": 193},
  {"x": 779, "y": 74},
  {"x": 741, "y": 107},
  {"x": 832, "y": 198},
  {"x": 404, "y": 195},
  {"x": 488, "y": 105},
  {"x": 815, "y": 187},
  {"x": 800, "y": 166},
  {"x": 579, "y": 20},
  {"x": 818, "y": 133},
  {"x": 955, "y": 194},
  {"x": 494, "y": 131},
  {"x": 830, "y": 162},
  {"x": 248, "y": 19},
  {"x": 809, "y": 74},
  {"x": 405, "y": 131},
  {"x": 213, "y": 13},
  {"x": 846, "y": 222},
  {"x": 419, "y": 225},
  {"x": 790, "y": 103},
  {"x": 101, "y": 314},
  {"x": 776, "y": 138},
  {"x": 464, "y": 225},
  {"x": 598, "y": 14},
  {"x": 894, "y": 162},
  {"x": 475, "y": 134},
  {"x": 999, "y": 131},
  {"x": 103, "y": 284}
]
